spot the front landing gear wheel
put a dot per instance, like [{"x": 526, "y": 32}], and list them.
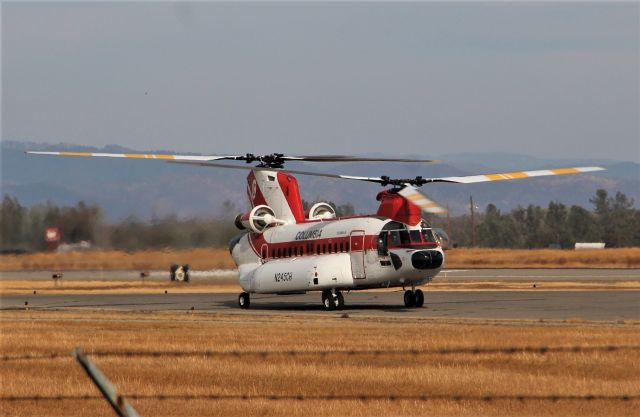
[
  {"x": 409, "y": 299},
  {"x": 419, "y": 298},
  {"x": 244, "y": 300}
]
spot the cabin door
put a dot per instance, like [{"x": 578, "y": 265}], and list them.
[{"x": 356, "y": 251}]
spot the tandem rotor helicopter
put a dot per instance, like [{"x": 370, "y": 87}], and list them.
[{"x": 284, "y": 250}]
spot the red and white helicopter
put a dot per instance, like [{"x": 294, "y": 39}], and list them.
[{"x": 287, "y": 251}]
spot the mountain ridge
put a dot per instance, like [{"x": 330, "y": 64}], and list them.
[{"x": 152, "y": 188}]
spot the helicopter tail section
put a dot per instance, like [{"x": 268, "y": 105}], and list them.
[{"x": 278, "y": 190}]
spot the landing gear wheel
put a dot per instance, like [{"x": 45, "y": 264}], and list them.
[
  {"x": 328, "y": 301},
  {"x": 172, "y": 271},
  {"x": 419, "y": 298},
  {"x": 339, "y": 301},
  {"x": 244, "y": 300},
  {"x": 409, "y": 299}
]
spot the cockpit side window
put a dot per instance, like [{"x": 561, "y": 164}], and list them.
[
  {"x": 383, "y": 248},
  {"x": 428, "y": 235}
]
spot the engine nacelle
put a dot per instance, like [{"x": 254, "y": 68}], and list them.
[
  {"x": 321, "y": 211},
  {"x": 257, "y": 219}
]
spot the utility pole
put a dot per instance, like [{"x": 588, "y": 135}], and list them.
[
  {"x": 449, "y": 226},
  {"x": 473, "y": 222}
]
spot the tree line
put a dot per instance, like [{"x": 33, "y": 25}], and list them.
[{"x": 613, "y": 221}]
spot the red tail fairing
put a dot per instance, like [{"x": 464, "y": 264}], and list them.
[
  {"x": 398, "y": 208},
  {"x": 289, "y": 186}
]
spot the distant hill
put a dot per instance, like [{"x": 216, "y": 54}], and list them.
[{"x": 152, "y": 188}]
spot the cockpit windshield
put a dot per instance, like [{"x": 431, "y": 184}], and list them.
[{"x": 396, "y": 235}]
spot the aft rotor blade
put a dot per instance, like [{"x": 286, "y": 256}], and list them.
[
  {"x": 421, "y": 200},
  {"x": 345, "y": 158},
  {"x": 166, "y": 157},
  {"x": 249, "y": 168},
  {"x": 514, "y": 175}
]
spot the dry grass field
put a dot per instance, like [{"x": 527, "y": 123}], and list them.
[
  {"x": 596, "y": 373},
  {"x": 206, "y": 259},
  {"x": 543, "y": 258}
]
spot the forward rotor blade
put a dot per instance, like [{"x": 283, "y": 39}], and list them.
[
  {"x": 139, "y": 156},
  {"x": 345, "y": 158},
  {"x": 515, "y": 175},
  {"x": 250, "y": 168},
  {"x": 247, "y": 157},
  {"x": 421, "y": 200}
]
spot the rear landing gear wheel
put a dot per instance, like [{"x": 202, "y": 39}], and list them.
[
  {"x": 244, "y": 300},
  {"x": 419, "y": 298},
  {"x": 339, "y": 301},
  {"x": 328, "y": 301},
  {"x": 409, "y": 299}
]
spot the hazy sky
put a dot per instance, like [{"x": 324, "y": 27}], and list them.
[{"x": 547, "y": 79}]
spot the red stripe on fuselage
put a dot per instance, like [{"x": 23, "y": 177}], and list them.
[{"x": 314, "y": 247}]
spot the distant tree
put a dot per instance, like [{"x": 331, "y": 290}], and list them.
[
  {"x": 534, "y": 230},
  {"x": 79, "y": 222},
  {"x": 615, "y": 218},
  {"x": 489, "y": 232},
  {"x": 556, "y": 222},
  {"x": 12, "y": 220},
  {"x": 343, "y": 210},
  {"x": 622, "y": 218},
  {"x": 582, "y": 225}
]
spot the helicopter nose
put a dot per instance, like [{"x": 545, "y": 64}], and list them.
[{"x": 427, "y": 259}]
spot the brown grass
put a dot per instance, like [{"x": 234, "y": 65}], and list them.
[
  {"x": 543, "y": 258},
  {"x": 204, "y": 259},
  {"x": 198, "y": 259},
  {"x": 604, "y": 373}
]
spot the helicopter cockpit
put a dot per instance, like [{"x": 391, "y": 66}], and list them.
[{"x": 396, "y": 235}]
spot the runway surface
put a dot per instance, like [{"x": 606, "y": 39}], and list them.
[
  {"x": 447, "y": 275},
  {"x": 533, "y": 304}
]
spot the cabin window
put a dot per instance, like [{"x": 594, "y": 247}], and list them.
[
  {"x": 347, "y": 246},
  {"x": 317, "y": 249},
  {"x": 265, "y": 252}
]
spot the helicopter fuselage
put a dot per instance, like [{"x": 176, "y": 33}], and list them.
[{"x": 338, "y": 254}]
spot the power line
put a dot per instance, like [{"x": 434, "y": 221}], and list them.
[
  {"x": 323, "y": 353},
  {"x": 331, "y": 397}
]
